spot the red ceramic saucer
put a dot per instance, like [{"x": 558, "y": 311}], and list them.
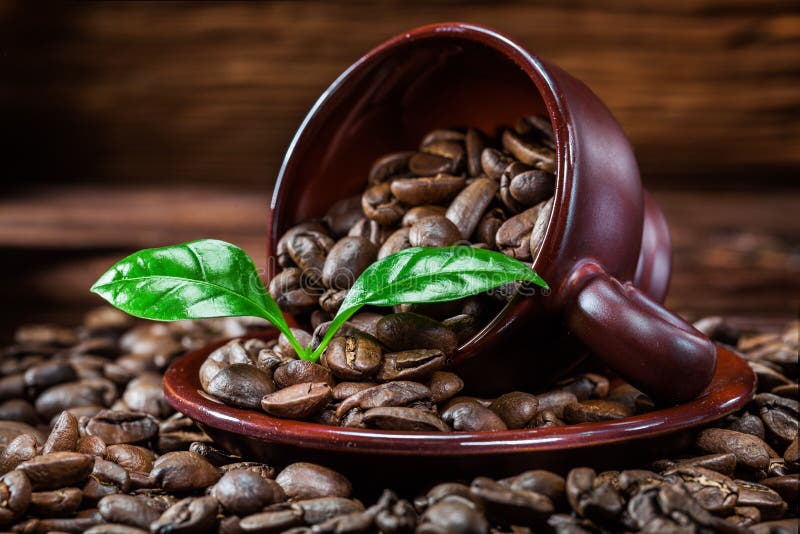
[{"x": 412, "y": 457}]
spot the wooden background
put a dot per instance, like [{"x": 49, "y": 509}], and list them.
[{"x": 127, "y": 125}]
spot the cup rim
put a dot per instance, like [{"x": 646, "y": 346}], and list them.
[{"x": 547, "y": 89}]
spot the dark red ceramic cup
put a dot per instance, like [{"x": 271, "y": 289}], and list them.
[{"x": 600, "y": 239}]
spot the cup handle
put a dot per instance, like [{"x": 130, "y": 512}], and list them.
[{"x": 647, "y": 345}]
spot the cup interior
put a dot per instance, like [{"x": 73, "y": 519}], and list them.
[{"x": 386, "y": 102}]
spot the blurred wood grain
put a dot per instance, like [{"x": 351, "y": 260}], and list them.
[{"x": 131, "y": 93}]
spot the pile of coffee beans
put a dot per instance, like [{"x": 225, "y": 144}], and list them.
[
  {"x": 88, "y": 444},
  {"x": 385, "y": 370}
]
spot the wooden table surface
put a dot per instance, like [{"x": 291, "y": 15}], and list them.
[{"x": 734, "y": 253}]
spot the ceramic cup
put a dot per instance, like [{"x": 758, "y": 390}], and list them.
[{"x": 600, "y": 242}]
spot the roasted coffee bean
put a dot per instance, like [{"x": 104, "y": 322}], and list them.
[
  {"x": 396, "y": 242},
  {"x": 506, "y": 505},
  {"x": 15, "y": 496},
  {"x": 439, "y": 135},
  {"x": 780, "y": 416},
  {"x": 57, "y": 469},
  {"x": 426, "y": 164},
  {"x": 47, "y": 374},
  {"x": 455, "y": 515},
  {"x": 474, "y": 144},
  {"x": 466, "y": 209},
  {"x": 750, "y": 451},
  {"x": 595, "y": 410},
  {"x": 540, "y": 228},
  {"x": 380, "y": 206},
  {"x": 469, "y": 416},
  {"x": 194, "y": 515},
  {"x": 787, "y": 486},
  {"x": 183, "y": 471},
  {"x": 64, "y": 436},
  {"x": 106, "y": 319},
  {"x": 284, "y": 346},
  {"x": 536, "y": 126},
  {"x": 343, "y": 390},
  {"x": 590, "y": 498},
  {"x": 715, "y": 492},
  {"x": 517, "y": 408},
  {"x": 531, "y": 187},
  {"x": 768, "y": 501},
  {"x": 748, "y": 424},
  {"x": 308, "y": 249},
  {"x": 396, "y": 393},
  {"x": 11, "y": 429},
  {"x": 514, "y": 168},
  {"x": 303, "y": 480},
  {"x": 243, "y": 492},
  {"x": 489, "y": 224},
  {"x": 298, "y": 401},
  {"x": 241, "y": 385},
  {"x": 631, "y": 397},
  {"x": 403, "y": 331},
  {"x": 792, "y": 455},
  {"x": 131, "y": 457},
  {"x": 465, "y": 326},
  {"x": 215, "y": 456},
  {"x": 724, "y": 463},
  {"x": 45, "y": 334},
  {"x": 539, "y": 481},
  {"x": 768, "y": 377},
  {"x": 778, "y": 526},
  {"x": 389, "y": 166},
  {"x": 513, "y": 237},
  {"x": 434, "y": 231},
  {"x": 321, "y": 509},
  {"x": 289, "y": 293},
  {"x": 20, "y": 449},
  {"x": 300, "y": 372},
  {"x": 115, "y": 427},
  {"x": 420, "y": 212},
  {"x": 444, "y": 386},
  {"x": 352, "y": 357},
  {"x": 494, "y": 162},
  {"x": 530, "y": 153},
  {"x": 369, "y": 230},
  {"x": 57, "y": 503},
  {"x": 87, "y": 392},
  {"x": 18, "y": 410},
  {"x": 273, "y": 521},
  {"x": 415, "y": 364},
  {"x": 404, "y": 418},
  {"x": 343, "y": 214},
  {"x": 346, "y": 261},
  {"x": 136, "y": 511},
  {"x": 428, "y": 190}
]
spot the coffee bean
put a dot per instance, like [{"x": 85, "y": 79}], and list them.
[
  {"x": 488, "y": 225},
  {"x": 380, "y": 206},
  {"x": 303, "y": 480},
  {"x": 87, "y": 392},
  {"x": 64, "y": 436},
  {"x": 352, "y": 357},
  {"x": 540, "y": 228},
  {"x": 396, "y": 393},
  {"x": 517, "y": 408},
  {"x": 241, "y": 385},
  {"x": 595, "y": 410},
  {"x": 586, "y": 386},
  {"x": 369, "y": 230},
  {"x": 404, "y": 418},
  {"x": 748, "y": 424},
  {"x": 427, "y": 190},
  {"x": 768, "y": 501},
  {"x": 466, "y": 209},
  {"x": 539, "y": 481},
  {"x": 396, "y": 242},
  {"x": 20, "y": 449},
  {"x": 131, "y": 457},
  {"x": 57, "y": 503},
  {"x": 750, "y": 451},
  {"x": 425, "y": 164},
  {"x": 439, "y": 135},
  {"x": 531, "y": 187},
  {"x": 183, "y": 471},
  {"x": 774, "y": 527},
  {"x": 15, "y": 496},
  {"x": 474, "y": 145},
  {"x": 787, "y": 486},
  {"x": 243, "y": 492},
  {"x": 135, "y": 511},
  {"x": 513, "y": 169},
  {"x": 346, "y": 261},
  {"x": 45, "y": 334},
  {"x": 196, "y": 515},
  {"x": 433, "y": 231},
  {"x": 403, "y": 331},
  {"x": 714, "y": 491},
  {"x": 507, "y": 505},
  {"x": 631, "y": 397},
  {"x": 469, "y": 416},
  {"x": 724, "y": 463},
  {"x": 780, "y": 416},
  {"x": 115, "y": 427},
  {"x": 513, "y": 237},
  {"x": 273, "y": 521},
  {"x": 455, "y": 515},
  {"x": 528, "y": 152},
  {"x": 57, "y": 469},
  {"x": 389, "y": 166},
  {"x": 18, "y": 410},
  {"x": 289, "y": 292},
  {"x": 47, "y": 374},
  {"x": 343, "y": 214},
  {"x": 285, "y": 347},
  {"x": 494, "y": 162},
  {"x": 444, "y": 386},
  {"x": 300, "y": 372},
  {"x": 420, "y": 212},
  {"x": 297, "y": 401},
  {"x": 415, "y": 364},
  {"x": 321, "y": 509}
]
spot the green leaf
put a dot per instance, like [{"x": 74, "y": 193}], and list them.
[
  {"x": 425, "y": 274},
  {"x": 195, "y": 280}
]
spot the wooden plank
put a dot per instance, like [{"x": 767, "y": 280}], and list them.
[{"x": 211, "y": 93}]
